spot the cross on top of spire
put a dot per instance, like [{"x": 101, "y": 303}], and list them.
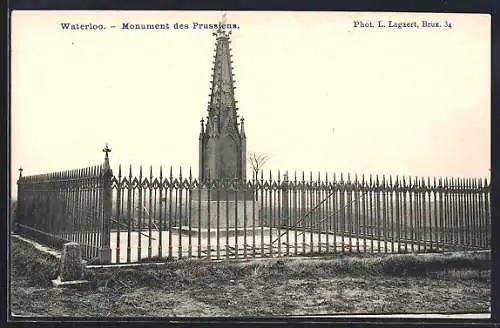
[
  {"x": 20, "y": 171},
  {"x": 106, "y": 150},
  {"x": 221, "y": 33}
]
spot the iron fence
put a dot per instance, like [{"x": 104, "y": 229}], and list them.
[
  {"x": 126, "y": 218},
  {"x": 63, "y": 206},
  {"x": 157, "y": 217}
]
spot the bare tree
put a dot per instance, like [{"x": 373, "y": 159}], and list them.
[{"x": 257, "y": 161}]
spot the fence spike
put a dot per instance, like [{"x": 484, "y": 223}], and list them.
[
  {"x": 190, "y": 175},
  {"x": 390, "y": 180},
  {"x": 363, "y": 179},
  {"x": 326, "y": 177},
  {"x": 295, "y": 176},
  {"x": 371, "y": 180},
  {"x": 486, "y": 183},
  {"x": 270, "y": 176},
  {"x": 319, "y": 176},
  {"x": 119, "y": 171},
  {"x": 341, "y": 177},
  {"x": 279, "y": 175},
  {"x": 262, "y": 176},
  {"x": 348, "y": 177},
  {"x": 171, "y": 177},
  {"x": 303, "y": 176},
  {"x": 140, "y": 171},
  {"x": 310, "y": 176},
  {"x": 151, "y": 172},
  {"x": 161, "y": 173},
  {"x": 383, "y": 180},
  {"x": 180, "y": 174}
]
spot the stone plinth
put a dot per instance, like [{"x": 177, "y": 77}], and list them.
[
  {"x": 231, "y": 213},
  {"x": 204, "y": 194},
  {"x": 71, "y": 262}
]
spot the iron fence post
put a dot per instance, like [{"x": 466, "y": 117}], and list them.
[
  {"x": 16, "y": 218},
  {"x": 106, "y": 175}
]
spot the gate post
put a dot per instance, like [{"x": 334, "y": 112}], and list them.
[
  {"x": 106, "y": 175},
  {"x": 16, "y": 218}
]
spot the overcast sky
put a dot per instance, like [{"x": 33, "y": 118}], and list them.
[{"x": 316, "y": 93}]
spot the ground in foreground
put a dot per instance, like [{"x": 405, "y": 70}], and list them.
[{"x": 255, "y": 288}]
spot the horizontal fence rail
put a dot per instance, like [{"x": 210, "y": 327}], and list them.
[
  {"x": 160, "y": 217},
  {"x": 62, "y": 207}
]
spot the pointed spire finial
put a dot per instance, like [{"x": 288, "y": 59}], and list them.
[{"x": 20, "y": 171}]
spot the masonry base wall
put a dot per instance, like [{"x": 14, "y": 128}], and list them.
[{"x": 231, "y": 214}]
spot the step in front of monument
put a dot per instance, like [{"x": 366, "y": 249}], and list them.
[{"x": 231, "y": 232}]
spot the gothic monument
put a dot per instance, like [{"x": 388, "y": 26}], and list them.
[
  {"x": 222, "y": 144},
  {"x": 222, "y": 149}
]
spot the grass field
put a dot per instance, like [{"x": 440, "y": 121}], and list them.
[{"x": 363, "y": 284}]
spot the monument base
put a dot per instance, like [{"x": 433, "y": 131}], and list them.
[
  {"x": 224, "y": 232},
  {"x": 205, "y": 194},
  {"x": 230, "y": 214}
]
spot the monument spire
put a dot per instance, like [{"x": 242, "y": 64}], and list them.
[
  {"x": 222, "y": 149},
  {"x": 222, "y": 103}
]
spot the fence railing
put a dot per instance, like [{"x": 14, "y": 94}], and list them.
[
  {"x": 127, "y": 218},
  {"x": 63, "y": 206},
  {"x": 178, "y": 217}
]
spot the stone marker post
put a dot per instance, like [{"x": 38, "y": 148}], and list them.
[{"x": 71, "y": 262}]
